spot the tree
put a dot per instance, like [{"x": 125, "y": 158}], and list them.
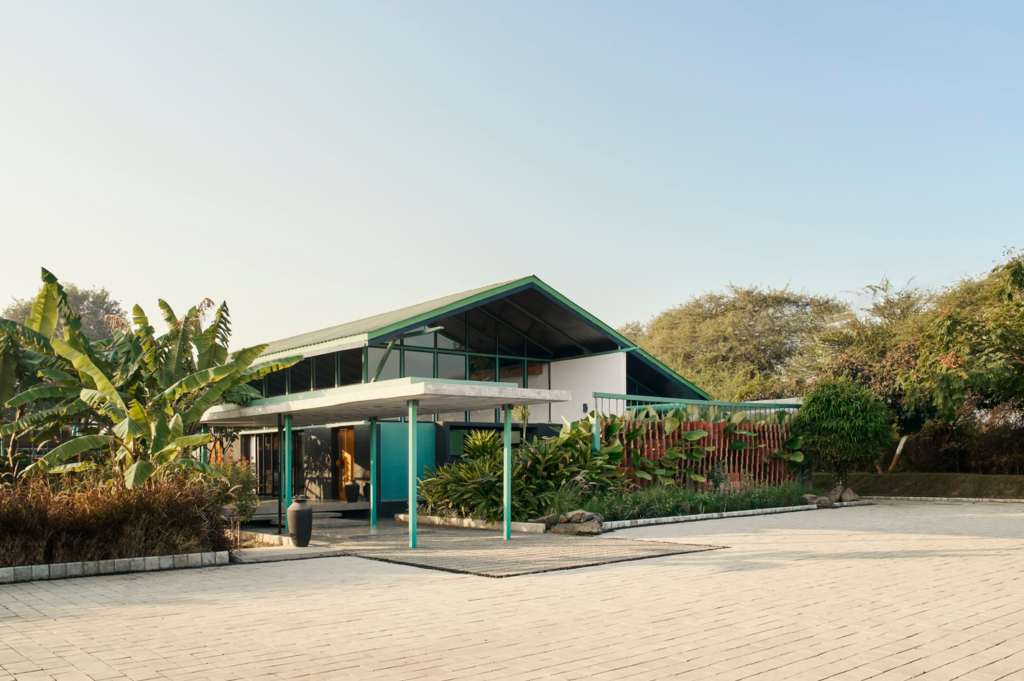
[
  {"x": 879, "y": 346},
  {"x": 94, "y": 307},
  {"x": 843, "y": 426},
  {"x": 743, "y": 343},
  {"x": 973, "y": 343},
  {"x": 136, "y": 396}
]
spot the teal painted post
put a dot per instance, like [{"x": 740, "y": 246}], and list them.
[
  {"x": 374, "y": 472},
  {"x": 507, "y": 471},
  {"x": 286, "y": 473},
  {"x": 595, "y": 433},
  {"x": 412, "y": 473}
]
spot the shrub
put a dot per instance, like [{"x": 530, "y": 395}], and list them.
[
  {"x": 660, "y": 501},
  {"x": 843, "y": 426},
  {"x": 87, "y": 519},
  {"x": 545, "y": 476},
  {"x": 238, "y": 488}
]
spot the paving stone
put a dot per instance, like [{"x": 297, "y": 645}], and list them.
[{"x": 891, "y": 591}]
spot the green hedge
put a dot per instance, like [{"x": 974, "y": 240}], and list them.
[
  {"x": 662, "y": 501},
  {"x": 92, "y": 520},
  {"x": 964, "y": 485}
]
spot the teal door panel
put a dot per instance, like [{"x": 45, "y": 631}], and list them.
[{"x": 394, "y": 457}]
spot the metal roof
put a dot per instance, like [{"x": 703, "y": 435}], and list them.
[{"x": 369, "y": 325}]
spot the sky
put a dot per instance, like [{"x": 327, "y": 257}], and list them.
[{"x": 316, "y": 162}]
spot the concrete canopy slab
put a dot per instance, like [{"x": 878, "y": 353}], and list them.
[{"x": 383, "y": 399}]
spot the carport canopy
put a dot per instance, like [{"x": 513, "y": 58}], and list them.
[{"x": 408, "y": 397}]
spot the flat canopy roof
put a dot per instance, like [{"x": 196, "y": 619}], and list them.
[{"x": 383, "y": 399}]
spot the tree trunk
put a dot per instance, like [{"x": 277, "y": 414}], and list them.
[{"x": 899, "y": 451}]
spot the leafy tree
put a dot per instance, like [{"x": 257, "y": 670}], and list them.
[
  {"x": 137, "y": 396},
  {"x": 95, "y": 307},
  {"x": 878, "y": 346},
  {"x": 742, "y": 343},
  {"x": 843, "y": 426},
  {"x": 973, "y": 343}
]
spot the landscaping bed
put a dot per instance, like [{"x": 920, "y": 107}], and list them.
[
  {"x": 664, "y": 501},
  {"x": 950, "y": 485},
  {"x": 68, "y": 522}
]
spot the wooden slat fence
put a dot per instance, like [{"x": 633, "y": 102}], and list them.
[{"x": 753, "y": 465}]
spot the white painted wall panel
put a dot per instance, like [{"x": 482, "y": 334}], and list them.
[{"x": 583, "y": 377}]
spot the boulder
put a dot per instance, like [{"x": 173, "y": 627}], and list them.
[
  {"x": 589, "y": 527},
  {"x": 563, "y": 528},
  {"x": 849, "y": 495},
  {"x": 548, "y": 520},
  {"x": 809, "y": 498},
  {"x": 580, "y": 516},
  {"x": 836, "y": 492},
  {"x": 825, "y": 502}
]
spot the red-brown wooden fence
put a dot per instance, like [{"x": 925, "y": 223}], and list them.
[{"x": 753, "y": 465}]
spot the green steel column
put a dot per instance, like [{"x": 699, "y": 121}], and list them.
[
  {"x": 204, "y": 455},
  {"x": 412, "y": 473},
  {"x": 286, "y": 468},
  {"x": 507, "y": 471},
  {"x": 374, "y": 455},
  {"x": 595, "y": 433}
]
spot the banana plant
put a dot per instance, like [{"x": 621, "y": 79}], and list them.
[{"x": 141, "y": 394}]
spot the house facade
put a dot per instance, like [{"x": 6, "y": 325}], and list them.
[{"x": 518, "y": 333}]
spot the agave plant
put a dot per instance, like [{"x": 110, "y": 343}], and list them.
[{"x": 137, "y": 396}]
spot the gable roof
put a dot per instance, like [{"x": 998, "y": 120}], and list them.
[{"x": 582, "y": 330}]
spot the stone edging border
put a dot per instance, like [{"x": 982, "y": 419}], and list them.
[
  {"x": 469, "y": 523},
  {"x": 971, "y": 499},
  {"x": 272, "y": 539},
  {"x": 610, "y": 525},
  {"x": 89, "y": 568}
]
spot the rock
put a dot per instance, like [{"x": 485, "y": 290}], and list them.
[
  {"x": 809, "y": 498},
  {"x": 849, "y": 495},
  {"x": 589, "y": 527},
  {"x": 563, "y": 528},
  {"x": 836, "y": 491},
  {"x": 580, "y": 516},
  {"x": 825, "y": 502},
  {"x": 548, "y": 520}
]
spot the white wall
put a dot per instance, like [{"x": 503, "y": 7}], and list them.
[{"x": 583, "y": 377}]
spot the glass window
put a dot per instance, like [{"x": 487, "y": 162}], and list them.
[
  {"x": 451, "y": 367},
  {"x": 276, "y": 383},
  {"x": 323, "y": 372},
  {"x": 420, "y": 364},
  {"x": 511, "y": 371},
  {"x": 534, "y": 350},
  {"x": 511, "y": 342},
  {"x": 482, "y": 416},
  {"x": 300, "y": 376},
  {"x": 453, "y": 333},
  {"x": 424, "y": 341},
  {"x": 257, "y": 385},
  {"x": 390, "y": 369},
  {"x": 481, "y": 368},
  {"x": 481, "y": 332},
  {"x": 538, "y": 375},
  {"x": 350, "y": 370}
]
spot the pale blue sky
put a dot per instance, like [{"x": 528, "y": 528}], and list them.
[{"x": 313, "y": 163}]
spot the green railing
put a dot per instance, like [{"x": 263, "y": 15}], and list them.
[{"x": 633, "y": 406}]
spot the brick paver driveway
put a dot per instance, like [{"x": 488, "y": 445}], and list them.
[{"x": 894, "y": 591}]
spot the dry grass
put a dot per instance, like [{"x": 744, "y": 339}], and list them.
[{"x": 89, "y": 520}]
